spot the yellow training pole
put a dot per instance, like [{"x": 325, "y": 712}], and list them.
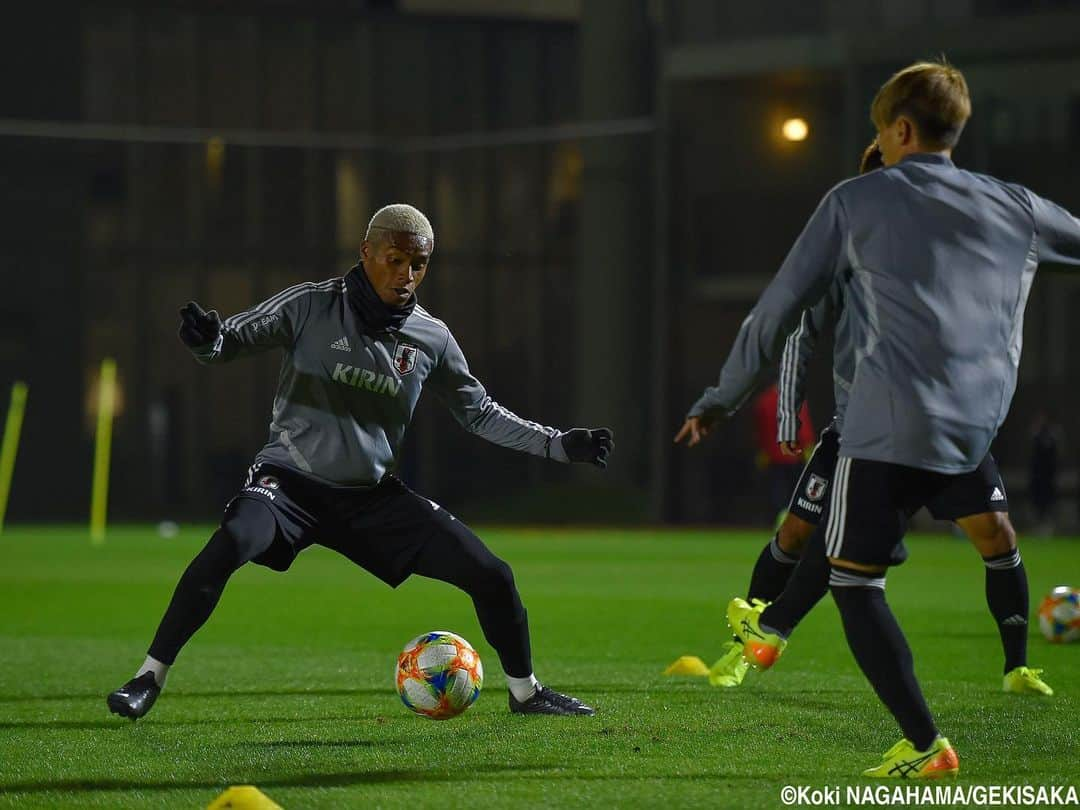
[
  {"x": 10, "y": 445},
  {"x": 99, "y": 496}
]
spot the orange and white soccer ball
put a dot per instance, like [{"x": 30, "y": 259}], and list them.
[
  {"x": 439, "y": 675},
  {"x": 1059, "y": 614}
]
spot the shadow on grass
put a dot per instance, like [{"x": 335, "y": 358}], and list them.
[
  {"x": 582, "y": 689},
  {"x": 596, "y": 689},
  {"x": 183, "y": 695},
  {"x": 845, "y": 692},
  {"x": 313, "y": 780},
  {"x": 689, "y": 686},
  {"x": 120, "y": 723},
  {"x": 387, "y": 776}
]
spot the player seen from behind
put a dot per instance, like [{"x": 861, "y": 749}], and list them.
[
  {"x": 975, "y": 501},
  {"x": 941, "y": 262}
]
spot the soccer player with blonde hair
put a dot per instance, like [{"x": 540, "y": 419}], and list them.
[
  {"x": 975, "y": 502},
  {"x": 938, "y": 263},
  {"x": 357, "y": 351}
]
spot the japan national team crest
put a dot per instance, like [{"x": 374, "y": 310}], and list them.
[
  {"x": 405, "y": 358},
  {"x": 815, "y": 487},
  {"x": 269, "y": 482}
]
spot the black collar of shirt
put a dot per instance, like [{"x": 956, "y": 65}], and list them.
[{"x": 374, "y": 315}]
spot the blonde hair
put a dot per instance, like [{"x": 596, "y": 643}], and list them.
[
  {"x": 934, "y": 95},
  {"x": 401, "y": 217}
]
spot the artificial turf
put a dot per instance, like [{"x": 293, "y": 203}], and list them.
[{"x": 289, "y": 686}]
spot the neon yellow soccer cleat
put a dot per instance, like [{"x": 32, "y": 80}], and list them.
[
  {"x": 731, "y": 667},
  {"x": 761, "y": 649},
  {"x": 1025, "y": 681},
  {"x": 902, "y": 761}
]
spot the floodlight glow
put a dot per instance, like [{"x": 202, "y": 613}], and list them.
[{"x": 795, "y": 129}]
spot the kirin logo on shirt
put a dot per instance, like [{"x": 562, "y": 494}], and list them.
[{"x": 405, "y": 358}]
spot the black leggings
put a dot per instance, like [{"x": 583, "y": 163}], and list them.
[
  {"x": 471, "y": 566},
  {"x": 248, "y": 532},
  {"x": 451, "y": 554}
]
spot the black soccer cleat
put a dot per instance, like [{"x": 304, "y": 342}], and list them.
[
  {"x": 136, "y": 697},
  {"x": 548, "y": 701}
]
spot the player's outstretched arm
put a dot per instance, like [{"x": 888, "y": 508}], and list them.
[
  {"x": 803, "y": 279},
  {"x": 481, "y": 415},
  {"x": 791, "y": 434},
  {"x": 799, "y": 349},
  {"x": 1057, "y": 232},
  {"x": 271, "y": 324},
  {"x": 791, "y": 381}
]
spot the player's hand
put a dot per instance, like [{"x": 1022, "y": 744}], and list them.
[
  {"x": 584, "y": 445},
  {"x": 198, "y": 328},
  {"x": 694, "y": 429},
  {"x": 790, "y": 448}
]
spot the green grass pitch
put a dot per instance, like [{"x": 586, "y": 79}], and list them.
[{"x": 289, "y": 686}]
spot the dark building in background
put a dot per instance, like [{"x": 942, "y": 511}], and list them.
[
  {"x": 740, "y": 193},
  {"x": 608, "y": 183},
  {"x": 222, "y": 153}
]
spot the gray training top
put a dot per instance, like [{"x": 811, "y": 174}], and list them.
[
  {"x": 941, "y": 263},
  {"x": 345, "y": 398},
  {"x": 799, "y": 348}
]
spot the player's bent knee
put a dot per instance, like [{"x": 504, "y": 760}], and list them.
[
  {"x": 500, "y": 575},
  {"x": 494, "y": 579},
  {"x": 858, "y": 568},
  {"x": 793, "y": 535},
  {"x": 1007, "y": 534},
  {"x": 250, "y": 528},
  {"x": 845, "y": 580},
  {"x": 991, "y": 533}
]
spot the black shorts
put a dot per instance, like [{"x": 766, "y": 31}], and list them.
[
  {"x": 382, "y": 529},
  {"x": 872, "y": 501},
  {"x": 973, "y": 493},
  {"x": 811, "y": 494}
]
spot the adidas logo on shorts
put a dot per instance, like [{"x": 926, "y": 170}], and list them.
[{"x": 997, "y": 494}]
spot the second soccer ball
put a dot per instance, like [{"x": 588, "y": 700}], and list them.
[{"x": 1059, "y": 614}]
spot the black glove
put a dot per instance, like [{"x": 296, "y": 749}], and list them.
[
  {"x": 198, "y": 329},
  {"x": 584, "y": 445}
]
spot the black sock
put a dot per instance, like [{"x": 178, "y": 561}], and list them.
[
  {"x": 772, "y": 571},
  {"x": 883, "y": 654},
  {"x": 195, "y": 597},
  {"x": 1007, "y": 598},
  {"x": 806, "y": 586}
]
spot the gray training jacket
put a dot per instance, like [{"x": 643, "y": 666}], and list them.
[
  {"x": 941, "y": 262},
  {"x": 799, "y": 348},
  {"x": 344, "y": 398}
]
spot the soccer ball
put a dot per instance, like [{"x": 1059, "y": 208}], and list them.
[
  {"x": 1059, "y": 614},
  {"x": 439, "y": 675}
]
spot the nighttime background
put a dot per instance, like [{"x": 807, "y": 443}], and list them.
[{"x": 607, "y": 181}]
